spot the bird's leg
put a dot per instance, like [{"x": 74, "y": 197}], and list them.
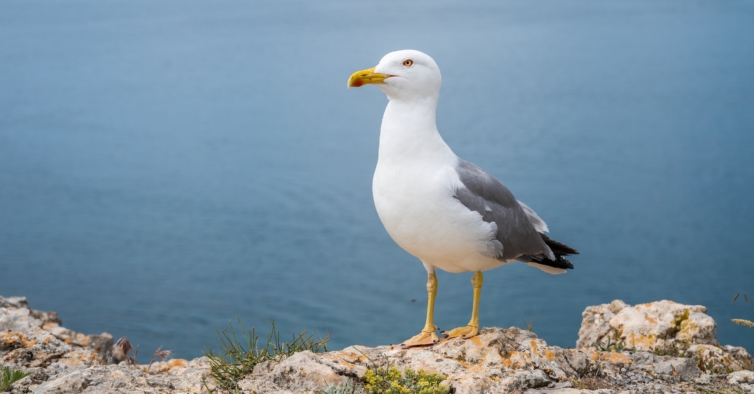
[
  {"x": 472, "y": 328},
  {"x": 476, "y": 282},
  {"x": 427, "y": 336}
]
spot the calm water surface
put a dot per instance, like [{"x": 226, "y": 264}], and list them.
[{"x": 168, "y": 166}]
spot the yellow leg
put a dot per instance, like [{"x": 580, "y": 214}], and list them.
[
  {"x": 427, "y": 336},
  {"x": 472, "y": 328}
]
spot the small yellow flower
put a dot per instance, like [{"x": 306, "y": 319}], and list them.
[{"x": 394, "y": 381}]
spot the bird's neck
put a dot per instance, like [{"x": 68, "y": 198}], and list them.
[{"x": 409, "y": 132}]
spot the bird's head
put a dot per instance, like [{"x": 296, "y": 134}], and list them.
[{"x": 406, "y": 74}]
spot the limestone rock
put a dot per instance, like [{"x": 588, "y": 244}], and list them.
[
  {"x": 21, "y": 302},
  {"x": 570, "y": 391},
  {"x": 595, "y": 323},
  {"x": 647, "y": 327},
  {"x": 662, "y": 327},
  {"x": 743, "y": 379},
  {"x": 300, "y": 372},
  {"x": 496, "y": 361},
  {"x": 63, "y": 361},
  {"x": 24, "y": 341},
  {"x": 740, "y": 377},
  {"x": 119, "y": 379},
  {"x": 721, "y": 359},
  {"x": 14, "y": 302}
]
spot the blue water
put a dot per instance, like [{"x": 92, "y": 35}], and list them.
[{"x": 168, "y": 166}]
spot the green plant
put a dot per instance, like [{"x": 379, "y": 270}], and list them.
[
  {"x": 238, "y": 357},
  {"x": 742, "y": 322},
  {"x": 392, "y": 381},
  {"x": 591, "y": 383},
  {"x": 10, "y": 376},
  {"x": 529, "y": 324},
  {"x": 389, "y": 380},
  {"x": 672, "y": 350},
  {"x": 735, "y": 297},
  {"x": 610, "y": 346},
  {"x": 350, "y": 386},
  {"x": 710, "y": 365}
]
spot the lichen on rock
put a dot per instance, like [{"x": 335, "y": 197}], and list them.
[
  {"x": 647, "y": 327},
  {"x": 664, "y": 347},
  {"x": 59, "y": 360}
]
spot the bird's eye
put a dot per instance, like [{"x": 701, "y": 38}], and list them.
[{"x": 408, "y": 63}]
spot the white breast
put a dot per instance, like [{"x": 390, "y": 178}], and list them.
[{"x": 416, "y": 205}]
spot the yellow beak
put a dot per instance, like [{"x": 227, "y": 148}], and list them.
[{"x": 365, "y": 77}]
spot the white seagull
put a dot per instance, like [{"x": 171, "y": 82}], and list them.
[{"x": 447, "y": 212}]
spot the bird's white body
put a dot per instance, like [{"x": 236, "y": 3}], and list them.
[
  {"x": 445, "y": 211},
  {"x": 414, "y": 186}
]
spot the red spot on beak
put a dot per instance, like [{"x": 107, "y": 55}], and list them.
[{"x": 358, "y": 83}]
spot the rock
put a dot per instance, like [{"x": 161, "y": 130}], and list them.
[
  {"x": 496, "y": 361},
  {"x": 22, "y": 303},
  {"x": 675, "y": 368},
  {"x": 738, "y": 357},
  {"x": 534, "y": 379},
  {"x": 594, "y": 323},
  {"x": 24, "y": 341},
  {"x": 100, "y": 343},
  {"x": 740, "y": 377},
  {"x": 577, "y": 361},
  {"x": 663, "y": 327},
  {"x": 570, "y": 391},
  {"x": 743, "y": 379},
  {"x": 68, "y": 383},
  {"x": 703, "y": 379},
  {"x": 300, "y": 372},
  {"x": 14, "y": 302},
  {"x": 721, "y": 359},
  {"x": 120, "y": 379},
  {"x": 63, "y": 361},
  {"x": 647, "y": 327}
]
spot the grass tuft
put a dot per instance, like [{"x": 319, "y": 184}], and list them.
[
  {"x": 746, "y": 298},
  {"x": 706, "y": 363},
  {"x": 161, "y": 354},
  {"x": 10, "y": 376},
  {"x": 611, "y": 346},
  {"x": 238, "y": 357},
  {"x": 674, "y": 349},
  {"x": 529, "y": 324},
  {"x": 743, "y": 322}
]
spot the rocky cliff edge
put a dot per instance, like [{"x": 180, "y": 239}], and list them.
[{"x": 659, "y": 347}]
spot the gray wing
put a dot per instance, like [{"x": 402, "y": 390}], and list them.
[
  {"x": 484, "y": 194},
  {"x": 535, "y": 220}
]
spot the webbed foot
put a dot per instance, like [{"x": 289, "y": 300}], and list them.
[
  {"x": 424, "y": 338},
  {"x": 465, "y": 332}
]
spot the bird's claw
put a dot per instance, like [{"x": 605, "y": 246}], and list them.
[
  {"x": 424, "y": 338},
  {"x": 465, "y": 332}
]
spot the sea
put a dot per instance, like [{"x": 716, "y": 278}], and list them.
[{"x": 169, "y": 168}]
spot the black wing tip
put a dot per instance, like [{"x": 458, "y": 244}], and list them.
[
  {"x": 559, "y": 250},
  {"x": 557, "y": 247},
  {"x": 559, "y": 262}
]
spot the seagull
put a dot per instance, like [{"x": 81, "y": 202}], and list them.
[{"x": 445, "y": 211}]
